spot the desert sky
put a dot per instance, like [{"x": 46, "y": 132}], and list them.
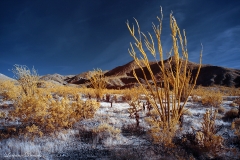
[{"x": 70, "y": 37}]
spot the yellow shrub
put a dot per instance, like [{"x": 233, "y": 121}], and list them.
[
  {"x": 104, "y": 130},
  {"x": 38, "y": 111},
  {"x": 160, "y": 134},
  {"x": 236, "y": 127},
  {"x": 207, "y": 139},
  {"x": 26, "y": 78},
  {"x": 51, "y": 115},
  {"x": 212, "y": 98},
  {"x": 98, "y": 82},
  {"x": 9, "y": 90},
  {"x": 86, "y": 108}
]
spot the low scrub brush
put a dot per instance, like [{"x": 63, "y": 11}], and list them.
[
  {"x": 212, "y": 98},
  {"x": 9, "y": 90}
]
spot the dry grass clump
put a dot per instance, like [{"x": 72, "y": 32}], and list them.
[
  {"x": 160, "y": 134},
  {"x": 207, "y": 96},
  {"x": 229, "y": 91},
  {"x": 9, "y": 90},
  {"x": 207, "y": 139},
  {"x": 131, "y": 93},
  {"x": 225, "y": 91},
  {"x": 236, "y": 127},
  {"x": 212, "y": 98},
  {"x": 176, "y": 88},
  {"x": 105, "y": 130},
  {"x": 207, "y": 136}
]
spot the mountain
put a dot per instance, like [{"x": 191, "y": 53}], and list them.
[
  {"x": 3, "y": 77},
  {"x": 123, "y": 70},
  {"x": 122, "y": 76},
  {"x": 209, "y": 75},
  {"x": 56, "y": 78}
]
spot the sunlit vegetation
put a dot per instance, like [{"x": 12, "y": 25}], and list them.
[
  {"x": 98, "y": 82},
  {"x": 176, "y": 87},
  {"x": 207, "y": 139},
  {"x": 44, "y": 111},
  {"x": 9, "y": 90}
]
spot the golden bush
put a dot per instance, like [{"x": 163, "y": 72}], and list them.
[
  {"x": 105, "y": 130},
  {"x": 207, "y": 138},
  {"x": 212, "y": 98},
  {"x": 236, "y": 127},
  {"x": 26, "y": 78},
  {"x": 9, "y": 90},
  {"x": 49, "y": 114},
  {"x": 135, "y": 106},
  {"x": 39, "y": 111},
  {"x": 98, "y": 82}
]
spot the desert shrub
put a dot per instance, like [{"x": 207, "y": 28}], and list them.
[
  {"x": 40, "y": 113},
  {"x": 229, "y": 91},
  {"x": 98, "y": 82},
  {"x": 44, "y": 114},
  {"x": 212, "y": 98},
  {"x": 207, "y": 139},
  {"x": 9, "y": 90},
  {"x": 64, "y": 91},
  {"x": 236, "y": 127},
  {"x": 231, "y": 114},
  {"x": 86, "y": 108},
  {"x": 105, "y": 130},
  {"x": 26, "y": 78},
  {"x": 135, "y": 108},
  {"x": 159, "y": 132},
  {"x": 165, "y": 101},
  {"x": 132, "y": 98}
]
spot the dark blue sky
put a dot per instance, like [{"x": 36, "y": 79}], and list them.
[{"x": 73, "y": 36}]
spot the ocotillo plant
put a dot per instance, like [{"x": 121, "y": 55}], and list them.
[{"x": 166, "y": 99}]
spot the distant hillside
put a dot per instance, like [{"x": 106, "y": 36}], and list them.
[
  {"x": 3, "y": 77},
  {"x": 209, "y": 75},
  {"x": 56, "y": 77},
  {"x": 123, "y": 70},
  {"x": 122, "y": 76}
]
